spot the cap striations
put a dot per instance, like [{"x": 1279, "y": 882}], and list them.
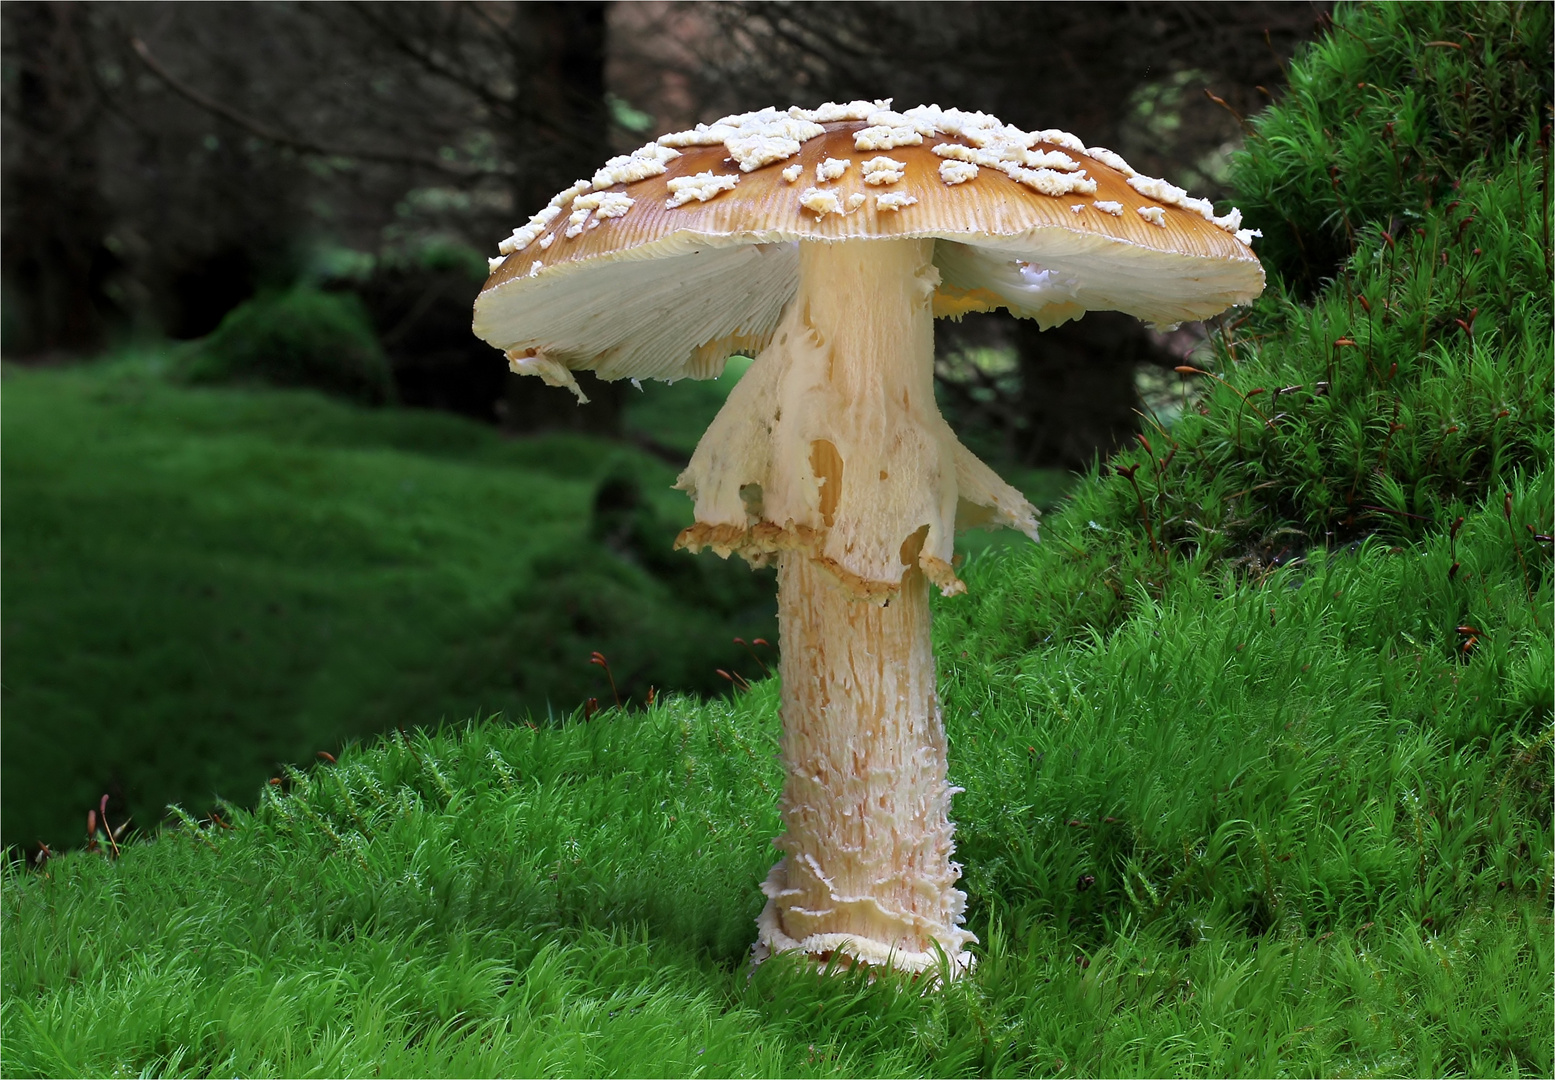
[{"x": 701, "y": 225}]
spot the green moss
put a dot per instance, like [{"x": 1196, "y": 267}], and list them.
[
  {"x": 202, "y": 583},
  {"x": 303, "y": 337},
  {"x": 1384, "y": 117},
  {"x": 1415, "y": 389}
]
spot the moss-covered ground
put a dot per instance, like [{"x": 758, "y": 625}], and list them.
[{"x": 200, "y": 584}]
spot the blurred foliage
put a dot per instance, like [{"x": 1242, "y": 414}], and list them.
[
  {"x": 434, "y": 253},
  {"x": 675, "y": 416},
  {"x": 419, "y": 292},
  {"x": 661, "y": 619},
  {"x": 303, "y": 337}
]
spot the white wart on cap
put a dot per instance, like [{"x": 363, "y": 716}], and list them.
[{"x": 671, "y": 259}]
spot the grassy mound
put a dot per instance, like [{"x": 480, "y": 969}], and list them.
[
  {"x": 1415, "y": 390},
  {"x": 301, "y": 337},
  {"x": 1256, "y": 747}
]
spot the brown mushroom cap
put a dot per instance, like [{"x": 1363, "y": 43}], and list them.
[{"x": 667, "y": 275}]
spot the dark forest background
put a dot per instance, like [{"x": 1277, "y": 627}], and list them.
[{"x": 164, "y": 163}]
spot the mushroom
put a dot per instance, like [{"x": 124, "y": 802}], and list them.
[{"x": 830, "y": 456}]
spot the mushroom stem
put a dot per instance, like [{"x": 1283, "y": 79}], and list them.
[
  {"x": 867, "y": 872},
  {"x": 871, "y": 476}
]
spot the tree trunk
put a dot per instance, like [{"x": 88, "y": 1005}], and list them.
[
  {"x": 55, "y": 261},
  {"x": 568, "y": 89},
  {"x": 1077, "y": 392}
]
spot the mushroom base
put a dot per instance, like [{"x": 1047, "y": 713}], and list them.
[
  {"x": 844, "y": 951},
  {"x": 867, "y": 874}
]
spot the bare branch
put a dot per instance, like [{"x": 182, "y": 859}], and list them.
[
  {"x": 429, "y": 61},
  {"x": 281, "y": 138},
  {"x": 515, "y": 108}
]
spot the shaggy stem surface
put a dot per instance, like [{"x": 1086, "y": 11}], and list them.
[{"x": 867, "y": 871}]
